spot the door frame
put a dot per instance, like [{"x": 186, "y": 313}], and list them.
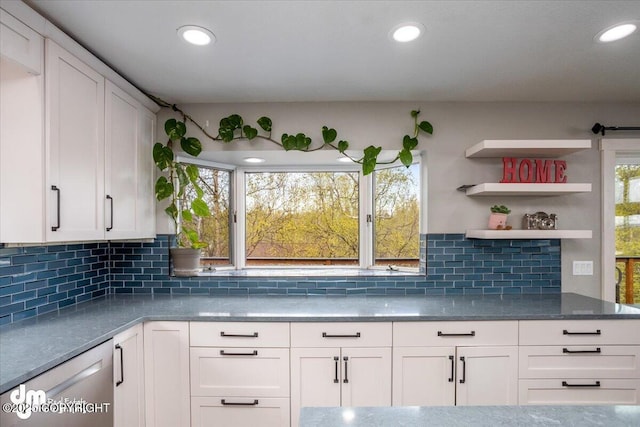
[{"x": 609, "y": 148}]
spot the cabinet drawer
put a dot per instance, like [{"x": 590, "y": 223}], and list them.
[
  {"x": 239, "y": 334},
  {"x": 239, "y": 412},
  {"x": 552, "y": 392},
  {"x": 239, "y": 371},
  {"x": 465, "y": 333},
  {"x": 341, "y": 334},
  {"x": 577, "y": 332},
  {"x": 579, "y": 361}
]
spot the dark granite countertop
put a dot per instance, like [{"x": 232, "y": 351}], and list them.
[
  {"x": 32, "y": 346},
  {"x": 477, "y": 416}
]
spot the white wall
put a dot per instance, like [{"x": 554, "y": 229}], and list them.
[{"x": 457, "y": 127}]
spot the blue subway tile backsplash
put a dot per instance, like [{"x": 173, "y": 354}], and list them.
[{"x": 36, "y": 280}]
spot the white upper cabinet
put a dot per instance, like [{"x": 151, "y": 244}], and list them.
[
  {"x": 74, "y": 135},
  {"x": 20, "y": 44}
]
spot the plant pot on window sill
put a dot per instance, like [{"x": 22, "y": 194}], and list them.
[{"x": 186, "y": 261}]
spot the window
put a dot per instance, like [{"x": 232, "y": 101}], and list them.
[
  {"x": 397, "y": 216},
  {"x": 313, "y": 217},
  {"x": 301, "y": 218},
  {"x": 215, "y": 230}
]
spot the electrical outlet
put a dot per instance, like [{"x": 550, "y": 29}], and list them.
[{"x": 583, "y": 268}]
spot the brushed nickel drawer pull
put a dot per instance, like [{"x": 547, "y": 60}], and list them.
[
  {"x": 597, "y": 332},
  {"x": 224, "y": 353},
  {"x": 566, "y": 350},
  {"x": 253, "y": 335},
  {"x": 326, "y": 335},
  {"x": 469, "y": 334}
]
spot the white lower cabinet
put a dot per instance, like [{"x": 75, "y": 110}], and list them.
[
  {"x": 166, "y": 368},
  {"x": 128, "y": 378},
  {"x": 574, "y": 362},
  {"x": 239, "y": 374},
  {"x": 331, "y": 365},
  {"x": 455, "y": 363}
]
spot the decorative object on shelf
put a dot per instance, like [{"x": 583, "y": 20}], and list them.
[
  {"x": 540, "y": 221},
  {"x": 533, "y": 170},
  {"x": 598, "y": 128},
  {"x": 182, "y": 179},
  {"x": 233, "y": 128},
  {"x": 498, "y": 217}
]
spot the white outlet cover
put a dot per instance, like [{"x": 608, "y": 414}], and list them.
[{"x": 583, "y": 268}]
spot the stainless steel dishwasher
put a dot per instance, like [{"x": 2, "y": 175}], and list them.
[{"x": 79, "y": 393}]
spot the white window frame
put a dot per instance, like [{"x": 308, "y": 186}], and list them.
[
  {"x": 237, "y": 205},
  {"x": 609, "y": 149}
]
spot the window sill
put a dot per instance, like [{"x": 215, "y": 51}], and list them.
[{"x": 307, "y": 272}]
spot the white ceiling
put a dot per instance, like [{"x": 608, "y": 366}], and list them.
[{"x": 269, "y": 51}]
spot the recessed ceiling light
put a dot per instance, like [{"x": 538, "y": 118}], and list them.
[
  {"x": 196, "y": 35},
  {"x": 254, "y": 160},
  {"x": 407, "y": 32},
  {"x": 616, "y": 32}
]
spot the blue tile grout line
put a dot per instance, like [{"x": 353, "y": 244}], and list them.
[{"x": 39, "y": 279}]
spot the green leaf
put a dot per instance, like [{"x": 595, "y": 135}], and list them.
[
  {"x": 183, "y": 179},
  {"x": 329, "y": 135},
  {"x": 414, "y": 113},
  {"x": 172, "y": 211},
  {"x": 186, "y": 215},
  {"x": 193, "y": 173},
  {"x": 406, "y": 157},
  {"x": 342, "y": 146},
  {"x": 191, "y": 146},
  {"x": 288, "y": 142},
  {"x": 372, "y": 151},
  {"x": 250, "y": 132},
  {"x": 368, "y": 166},
  {"x": 302, "y": 142},
  {"x": 235, "y": 121},
  {"x": 191, "y": 234},
  {"x": 198, "y": 190},
  {"x": 175, "y": 129},
  {"x": 426, "y": 127},
  {"x": 226, "y": 133},
  {"x": 370, "y": 159},
  {"x": 265, "y": 123},
  {"x": 162, "y": 156},
  {"x": 409, "y": 143},
  {"x": 200, "y": 208},
  {"x": 163, "y": 188}
]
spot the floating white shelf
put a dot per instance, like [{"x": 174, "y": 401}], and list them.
[
  {"x": 527, "y": 147},
  {"x": 529, "y": 234},
  {"x": 520, "y": 189}
]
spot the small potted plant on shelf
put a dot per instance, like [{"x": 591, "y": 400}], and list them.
[
  {"x": 498, "y": 217},
  {"x": 179, "y": 184}
]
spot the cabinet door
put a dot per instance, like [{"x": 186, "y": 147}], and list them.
[
  {"x": 315, "y": 379},
  {"x": 487, "y": 376},
  {"x": 146, "y": 201},
  {"x": 585, "y": 391},
  {"x": 424, "y": 376},
  {"x": 75, "y": 147},
  {"x": 366, "y": 376},
  {"x": 239, "y": 412},
  {"x": 121, "y": 163},
  {"x": 20, "y": 44},
  {"x": 166, "y": 367},
  {"x": 128, "y": 378}
]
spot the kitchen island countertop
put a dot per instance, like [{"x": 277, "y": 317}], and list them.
[
  {"x": 477, "y": 416},
  {"x": 32, "y": 346}
]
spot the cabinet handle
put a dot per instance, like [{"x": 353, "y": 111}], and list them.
[
  {"x": 326, "y": 335},
  {"x": 57, "y": 226},
  {"x": 111, "y": 200},
  {"x": 566, "y": 384},
  {"x": 346, "y": 376},
  {"x": 470, "y": 334},
  {"x": 224, "y": 353},
  {"x": 566, "y": 350},
  {"x": 464, "y": 370},
  {"x": 451, "y": 358},
  {"x": 224, "y": 402},
  {"x": 119, "y": 347},
  {"x": 253, "y": 335},
  {"x": 597, "y": 332},
  {"x": 336, "y": 359}
]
